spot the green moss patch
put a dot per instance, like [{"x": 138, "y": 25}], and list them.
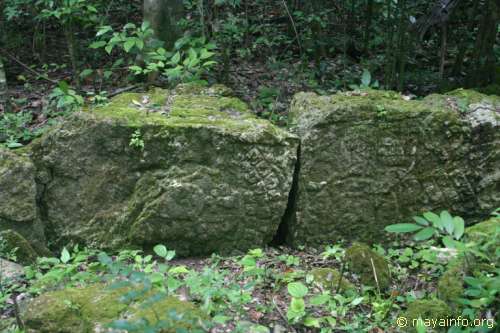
[
  {"x": 13, "y": 241},
  {"x": 92, "y": 308},
  {"x": 372, "y": 268},
  {"x": 433, "y": 311}
]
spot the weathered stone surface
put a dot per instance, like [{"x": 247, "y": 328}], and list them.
[
  {"x": 92, "y": 308},
  {"x": 373, "y": 158},
  {"x": 10, "y": 270},
  {"x": 329, "y": 278},
  {"x": 211, "y": 176},
  {"x": 18, "y": 194},
  {"x": 12, "y": 241}
]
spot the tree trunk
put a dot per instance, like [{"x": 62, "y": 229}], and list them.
[
  {"x": 483, "y": 59},
  {"x": 3, "y": 88},
  {"x": 163, "y": 15}
]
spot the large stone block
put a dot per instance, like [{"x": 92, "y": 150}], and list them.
[
  {"x": 373, "y": 158},
  {"x": 18, "y": 196},
  {"x": 210, "y": 176}
]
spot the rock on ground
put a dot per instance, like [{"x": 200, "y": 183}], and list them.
[
  {"x": 18, "y": 196},
  {"x": 10, "y": 270},
  {"x": 92, "y": 308},
  {"x": 373, "y": 158},
  {"x": 192, "y": 169}
]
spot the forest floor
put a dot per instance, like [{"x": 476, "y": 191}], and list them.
[{"x": 251, "y": 293}]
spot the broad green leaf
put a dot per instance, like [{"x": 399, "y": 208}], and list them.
[
  {"x": 297, "y": 305},
  {"x": 206, "y": 54},
  {"x": 176, "y": 58},
  {"x": 179, "y": 270},
  {"x": 129, "y": 44},
  {"x": 319, "y": 299},
  {"x": 160, "y": 250},
  {"x": 109, "y": 48},
  {"x": 311, "y": 322},
  {"x": 424, "y": 234},
  {"x": 104, "y": 30},
  {"x": 449, "y": 242},
  {"x": 65, "y": 256},
  {"x": 139, "y": 43},
  {"x": 145, "y": 25},
  {"x": 366, "y": 78},
  {"x": 64, "y": 86},
  {"x": 104, "y": 258},
  {"x": 129, "y": 26},
  {"x": 14, "y": 144},
  {"x": 434, "y": 219},
  {"x": 458, "y": 227},
  {"x": 248, "y": 261},
  {"x": 357, "y": 301},
  {"x": 98, "y": 44},
  {"x": 193, "y": 62},
  {"x": 331, "y": 321},
  {"x": 220, "y": 319},
  {"x": 256, "y": 253},
  {"x": 402, "y": 227},
  {"x": 192, "y": 53},
  {"x": 471, "y": 281},
  {"x": 447, "y": 221},
  {"x": 420, "y": 327},
  {"x": 86, "y": 72},
  {"x": 297, "y": 289},
  {"x": 421, "y": 221},
  {"x": 209, "y": 63}
]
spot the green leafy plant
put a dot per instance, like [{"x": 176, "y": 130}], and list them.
[
  {"x": 366, "y": 82},
  {"x": 430, "y": 225},
  {"x": 14, "y": 129},
  {"x": 136, "y": 140},
  {"x": 190, "y": 59},
  {"x": 63, "y": 100},
  {"x": 297, "y": 309}
]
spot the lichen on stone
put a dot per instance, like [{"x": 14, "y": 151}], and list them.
[
  {"x": 373, "y": 158},
  {"x": 211, "y": 177},
  {"x": 372, "y": 268}
]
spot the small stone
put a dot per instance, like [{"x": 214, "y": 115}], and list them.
[
  {"x": 426, "y": 309},
  {"x": 328, "y": 278},
  {"x": 372, "y": 268}
]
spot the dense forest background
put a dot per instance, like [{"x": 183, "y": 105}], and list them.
[{"x": 61, "y": 54}]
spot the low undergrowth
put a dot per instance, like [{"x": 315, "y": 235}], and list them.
[{"x": 289, "y": 290}]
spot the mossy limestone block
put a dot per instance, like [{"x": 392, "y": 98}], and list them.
[
  {"x": 373, "y": 158},
  {"x": 211, "y": 177},
  {"x": 372, "y": 268},
  {"x": 11, "y": 241},
  {"x": 431, "y": 311},
  {"x": 90, "y": 309},
  {"x": 18, "y": 195}
]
